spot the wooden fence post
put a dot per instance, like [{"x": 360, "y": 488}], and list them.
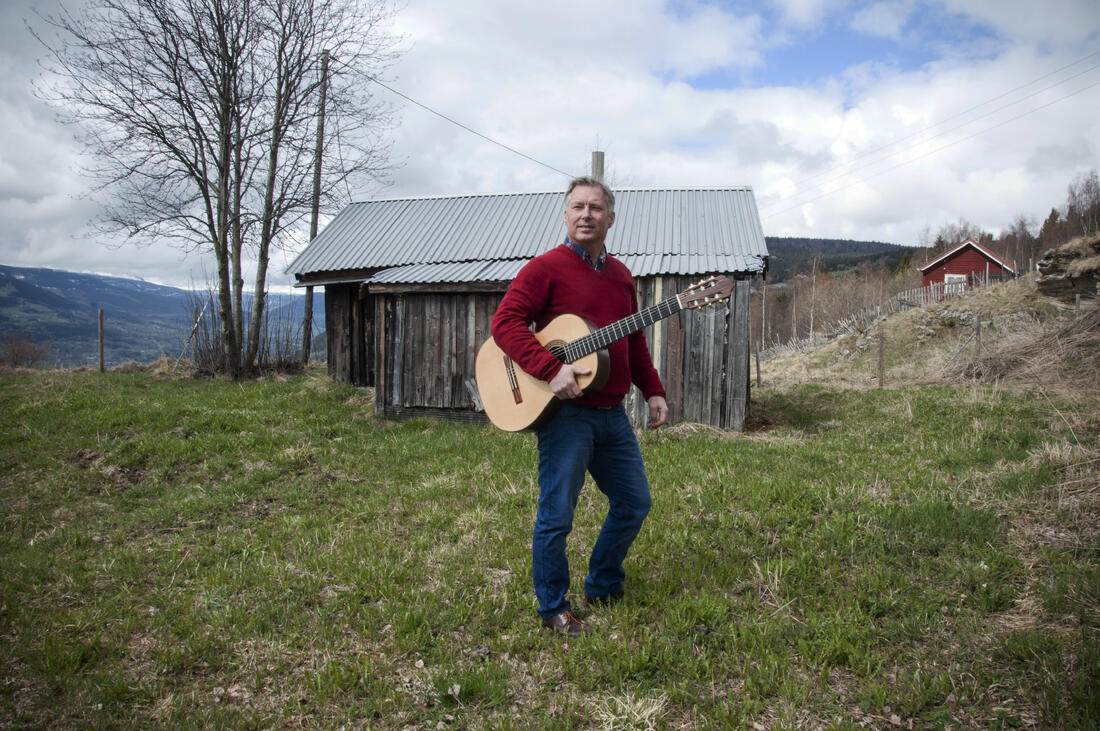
[
  {"x": 101, "y": 341},
  {"x": 978, "y": 336},
  {"x": 307, "y": 326},
  {"x": 881, "y": 358}
]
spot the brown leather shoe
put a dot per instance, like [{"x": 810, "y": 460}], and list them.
[
  {"x": 605, "y": 600},
  {"x": 566, "y": 624}
]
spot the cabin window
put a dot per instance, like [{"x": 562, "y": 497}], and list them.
[{"x": 954, "y": 283}]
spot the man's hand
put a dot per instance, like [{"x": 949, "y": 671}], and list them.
[
  {"x": 564, "y": 384},
  {"x": 658, "y": 411}
]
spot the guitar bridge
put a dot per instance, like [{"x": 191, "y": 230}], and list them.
[{"x": 513, "y": 383}]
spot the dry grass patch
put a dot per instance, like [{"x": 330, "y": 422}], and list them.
[
  {"x": 628, "y": 712},
  {"x": 1061, "y": 357}
]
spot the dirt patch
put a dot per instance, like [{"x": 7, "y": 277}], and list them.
[{"x": 115, "y": 478}]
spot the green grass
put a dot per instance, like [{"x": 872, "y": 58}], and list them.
[{"x": 186, "y": 553}]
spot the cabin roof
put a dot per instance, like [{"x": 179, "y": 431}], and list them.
[{"x": 489, "y": 237}]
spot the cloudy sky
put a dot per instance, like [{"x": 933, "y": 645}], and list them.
[{"x": 849, "y": 118}]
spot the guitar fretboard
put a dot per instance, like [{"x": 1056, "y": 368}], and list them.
[{"x": 601, "y": 338}]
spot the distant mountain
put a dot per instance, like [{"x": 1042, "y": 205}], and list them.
[
  {"x": 789, "y": 256},
  {"x": 141, "y": 321}
]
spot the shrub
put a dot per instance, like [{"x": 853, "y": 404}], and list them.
[{"x": 18, "y": 351}]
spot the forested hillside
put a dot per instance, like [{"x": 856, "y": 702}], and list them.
[
  {"x": 790, "y": 255},
  {"x": 52, "y": 316}
]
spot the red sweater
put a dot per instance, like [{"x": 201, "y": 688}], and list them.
[{"x": 560, "y": 282}]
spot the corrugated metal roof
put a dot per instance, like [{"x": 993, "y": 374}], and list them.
[
  {"x": 501, "y": 270},
  {"x": 488, "y": 237}
]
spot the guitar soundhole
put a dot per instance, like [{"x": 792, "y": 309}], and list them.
[{"x": 557, "y": 349}]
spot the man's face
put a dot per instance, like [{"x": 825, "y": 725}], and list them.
[{"x": 588, "y": 217}]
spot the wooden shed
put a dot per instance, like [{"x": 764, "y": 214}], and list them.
[
  {"x": 411, "y": 285},
  {"x": 966, "y": 263}
]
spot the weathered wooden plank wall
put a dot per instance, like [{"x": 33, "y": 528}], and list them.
[
  {"x": 427, "y": 350},
  {"x": 738, "y": 374},
  {"x": 702, "y": 356},
  {"x": 337, "y": 322},
  {"x": 349, "y": 334}
]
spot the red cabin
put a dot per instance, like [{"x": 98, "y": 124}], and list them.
[{"x": 964, "y": 265}]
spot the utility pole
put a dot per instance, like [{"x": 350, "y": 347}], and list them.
[{"x": 307, "y": 317}]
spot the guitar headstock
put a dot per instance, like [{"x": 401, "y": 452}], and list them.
[{"x": 706, "y": 292}]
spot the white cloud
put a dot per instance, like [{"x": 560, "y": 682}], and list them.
[
  {"x": 807, "y": 13},
  {"x": 710, "y": 39},
  {"x": 510, "y": 40},
  {"x": 885, "y": 19},
  {"x": 554, "y": 82},
  {"x": 1050, "y": 23},
  {"x": 934, "y": 152}
]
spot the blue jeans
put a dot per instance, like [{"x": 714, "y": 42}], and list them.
[{"x": 601, "y": 442}]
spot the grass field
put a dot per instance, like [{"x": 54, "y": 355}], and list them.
[{"x": 195, "y": 553}]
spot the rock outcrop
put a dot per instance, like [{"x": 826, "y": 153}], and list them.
[{"x": 1071, "y": 269}]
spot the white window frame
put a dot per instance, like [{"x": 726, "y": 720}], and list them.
[{"x": 954, "y": 283}]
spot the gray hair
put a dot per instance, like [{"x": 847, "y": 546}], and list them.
[{"x": 588, "y": 180}]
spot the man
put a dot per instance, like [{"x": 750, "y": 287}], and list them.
[{"x": 591, "y": 431}]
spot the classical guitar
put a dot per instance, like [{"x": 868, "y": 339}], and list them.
[{"x": 516, "y": 401}]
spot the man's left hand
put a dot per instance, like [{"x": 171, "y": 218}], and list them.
[{"x": 658, "y": 411}]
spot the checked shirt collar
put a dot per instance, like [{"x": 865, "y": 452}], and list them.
[{"x": 579, "y": 251}]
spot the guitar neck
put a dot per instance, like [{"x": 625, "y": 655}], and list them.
[{"x": 601, "y": 338}]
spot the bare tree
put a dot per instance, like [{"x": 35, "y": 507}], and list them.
[
  {"x": 954, "y": 234},
  {"x": 1018, "y": 242},
  {"x": 201, "y": 117},
  {"x": 1083, "y": 201}
]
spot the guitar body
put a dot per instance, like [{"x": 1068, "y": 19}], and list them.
[{"x": 513, "y": 399}]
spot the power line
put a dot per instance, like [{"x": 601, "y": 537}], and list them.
[
  {"x": 930, "y": 152},
  {"x": 850, "y": 167},
  {"x": 471, "y": 131}
]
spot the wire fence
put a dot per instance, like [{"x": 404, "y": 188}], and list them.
[{"x": 861, "y": 322}]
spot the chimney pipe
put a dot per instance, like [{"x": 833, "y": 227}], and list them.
[{"x": 597, "y": 165}]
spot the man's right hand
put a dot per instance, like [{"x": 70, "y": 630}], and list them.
[{"x": 564, "y": 384}]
